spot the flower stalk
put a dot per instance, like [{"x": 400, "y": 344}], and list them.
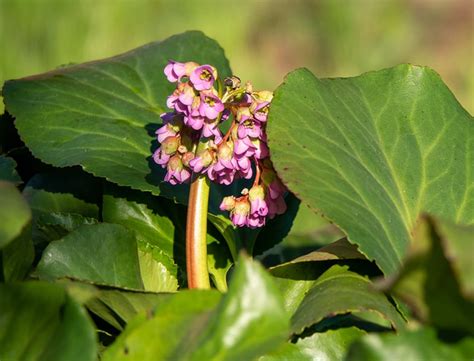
[{"x": 196, "y": 231}]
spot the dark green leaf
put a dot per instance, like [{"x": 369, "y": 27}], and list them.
[
  {"x": 8, "y": 170},
  {"x": 54, "y": 226},
  {"x": 143, "y": 214},
  {"x": 219, "y": 261},
  {"x": 339, "y": 291},
  {"x": 40, "y": 322},
  {"x": 155, "y": 335},
  {"x": 119, "y": 307},
  {"x": 372, "y": 152},
  {"x": 17, "y": 257},
  {"x": 103, "y": 253},
  {"x": 249, "y": 321}
]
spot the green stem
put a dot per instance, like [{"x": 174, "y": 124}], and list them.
[{"x": 196, "y": 232}]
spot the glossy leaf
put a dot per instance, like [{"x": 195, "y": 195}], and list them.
[
  {"x": 158, "y": 271},
  {"x": 373, "y": 151},
  {"x": 155, "y": 335},
  {"x": 247, "y": 322},
  {"x": 419, "y": 345},
  {"x": 339, "y": 291},
  {"x": 105, "y": 254},
  {"x": 40, "y": 322},
  {"x": 102, "y": 115}
]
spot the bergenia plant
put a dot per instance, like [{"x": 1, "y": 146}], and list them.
[{"x": 331, "y": 219}]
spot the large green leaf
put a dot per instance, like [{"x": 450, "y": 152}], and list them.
[
  {"x": 102, "y": 115},
  {"x": 419, "y": 345},
  {"x": 248, "y": 322},
  {"x": 40, "y": 322},
  {"x": 338, "y": 291},
  {"x": 372, "y": 152},
  {"x": 102, "y": 253},
  {"x": 14, "y": 213}
]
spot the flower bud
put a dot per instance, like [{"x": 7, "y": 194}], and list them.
[
  {"x": 175, "y": 163},
  {"x": 227, "y": 204},
  {"x": 256, "y": 192},
  {"x": 170, "y": 145},
  {"x": 187, "y": 157},
  {"x": 225, "y": 151}
]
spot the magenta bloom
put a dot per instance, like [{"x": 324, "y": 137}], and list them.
[
  {"x": 160, "y": 157},
  {"x": 177, "y": 172},
  {"x": 258, "y": 206},
  {"x": 210, "y": 105},
  {"x": 174, "y": 71},
  {"x": 239, "y": 215},
  {"x": 203, "y": 77},
  {"x": 261, "y": 111},
  {"x": 201, "y": 163}
]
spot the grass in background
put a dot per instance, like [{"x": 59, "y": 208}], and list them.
[{"x": 263, "y": 39}]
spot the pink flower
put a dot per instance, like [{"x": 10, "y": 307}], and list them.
[
  {"x": 239, "y": 215},
  {"x": 174, "y": 71},
  {"x": 201, "y": 163},
  {"x": 203, "y": 77},
  {"x": 177, "y": 172},
  {"x": 210, "y": 106},
  {"x": 257, "y": 201}
]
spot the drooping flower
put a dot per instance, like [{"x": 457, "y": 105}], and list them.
[
  {"x": 203, "y": 77},
  {"x": 177, "y": 171}
]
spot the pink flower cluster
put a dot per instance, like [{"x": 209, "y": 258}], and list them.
[{"x": 191, "y": 141}]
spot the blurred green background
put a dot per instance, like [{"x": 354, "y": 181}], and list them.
[{"x": 263, "y": 39}]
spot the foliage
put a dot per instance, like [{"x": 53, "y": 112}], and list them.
[{"x": 92, "y": 242}]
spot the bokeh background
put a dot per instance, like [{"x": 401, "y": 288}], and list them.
[{"x": 264, "y": 39}]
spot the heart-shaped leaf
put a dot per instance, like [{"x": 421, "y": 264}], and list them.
[{"x": 372, "y": 152}]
